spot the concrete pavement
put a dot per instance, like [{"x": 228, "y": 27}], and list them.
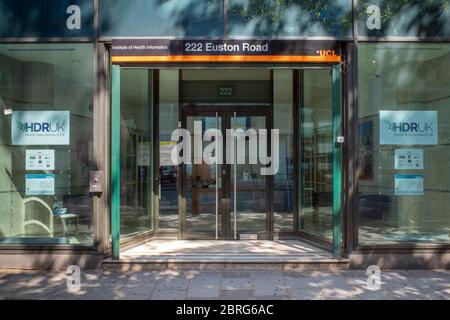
[{"x": 235, "y": 285}]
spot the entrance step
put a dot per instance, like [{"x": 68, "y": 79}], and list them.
[
  {"x": 282, "y": 255},
  {"x": 266, "y": 263},
  {"x": 166, "y": 235}
]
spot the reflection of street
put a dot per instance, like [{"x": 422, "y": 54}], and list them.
[{"x": 168, "y": 202}]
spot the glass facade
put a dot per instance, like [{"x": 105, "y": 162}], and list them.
[
  {"x": 46, "y": 18},
  {"x": 283, "y": 113},
  {"x": 404, "y": 18},
  {"x": 135, "y": 152},
  {"x": 46, "y": 141},
  {"x": 316, "y": 151},
  {"x": 290, "y": 18},
  {"x": 168, "y": 172},
  {"x": 50, "y": 117},
  {"x": 404, "y": 135},
  {"x": 161, "y": 18}
]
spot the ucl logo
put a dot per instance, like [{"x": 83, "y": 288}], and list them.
[
  {"x": 409, "y": 127},
  {"x": 327, "y": 53},
  {"x": 44, "y": 127}
]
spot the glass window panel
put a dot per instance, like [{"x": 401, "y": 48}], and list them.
[
  {"x": 283, "y": 96},
  {"x": 168, "y": 122},
  {"x": 316, "y": 186},
  {"x": 45, "y": 18},
  {"x": 46, "y": 143},
  {"x": 407, "y": 202},
  {"x": 161, "y": 18},
  {"x": 290, "y": 18},
  {"x": 135, "y": 151},
  {"x": 404, "y": 18}
]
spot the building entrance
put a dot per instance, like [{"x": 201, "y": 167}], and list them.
[{"x": 246, "y": 153}]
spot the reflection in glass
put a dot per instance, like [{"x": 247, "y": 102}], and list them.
[
  {"x": 283, "y": 197},
  {"x": 316, "y": 153},
  {"x": 203, "y": 217},
  {"x": 403, "y": 77},
  {"x": 290, "y": 18},
  {"x": 405, "y": 18},
  {"x": 135, "y": 144},
  {"x": 53, "y": 78},
  {"x": 250, "y": 186},
  {"x": 146, "y": 18},
  {"x": 168, "y": 173}
]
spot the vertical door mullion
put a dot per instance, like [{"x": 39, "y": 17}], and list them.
[
  {"x": 299, "y": 134},
  {"x": 151, "y": 139},
  {"x": 235, "y": 179},
  {"x": 182, "y": 187},
  {"x": 115, "y": 162},
  {"x": 337, "y": 174},
  {"x": 217, "y": 179}
]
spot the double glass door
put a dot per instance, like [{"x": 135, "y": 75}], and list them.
[{"x": 224, "y": 192}]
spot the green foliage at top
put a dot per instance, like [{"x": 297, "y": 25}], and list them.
[
  {"x": 421, "y": 18},
  {"x": 272, "y": 17}
]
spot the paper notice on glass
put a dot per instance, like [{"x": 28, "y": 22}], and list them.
[
  {"x": 408, "y": 159},
  {"x": 165, "y": 153},
  {"x": 408, "y": 185},
  {"x": 40, "y": 160},
  {"x": 39, "y": 184}
]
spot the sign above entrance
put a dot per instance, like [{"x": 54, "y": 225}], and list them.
[{"x": 176, "y": 51}]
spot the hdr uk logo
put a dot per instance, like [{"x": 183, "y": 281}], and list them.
[
  {"x": 409, "y": 127},
  {"x": 40, "y": 128},
  {"x": 43, "y": 127}
]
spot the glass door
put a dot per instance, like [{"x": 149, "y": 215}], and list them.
[
  {"x": 202, "y": 181},
  {"x": 225, "y": 199},
  {"x": 320, "y": 156},
  {"x": 248, "y": 185},
  {"x": 316, "y": 151}
]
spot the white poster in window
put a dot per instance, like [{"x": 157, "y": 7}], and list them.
[
  {"x": 39, "y": 184},
  {"x": 40, "y": 160},
  {"x": 40, "y": 128},
  {"x": 409, "y": 127},
  {"x": 165, "y": 153},
  {"x": 408, "y": 159},
  {"x": 408, "y": 185}
]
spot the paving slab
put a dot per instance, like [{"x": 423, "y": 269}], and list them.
[
  {"x": 305, "y": 294},
  {"x": 237, "y": 295},
  {"x": 340, "y": 293},
  {"x": 205, "y": 286},
  {"x": 237, "y": 283},
  {"x": 300, "y": 282},
  {"x": 178, "y": 283},
  {"x": 376, "y": 295},
  {"x": 168, "y": 295}
]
